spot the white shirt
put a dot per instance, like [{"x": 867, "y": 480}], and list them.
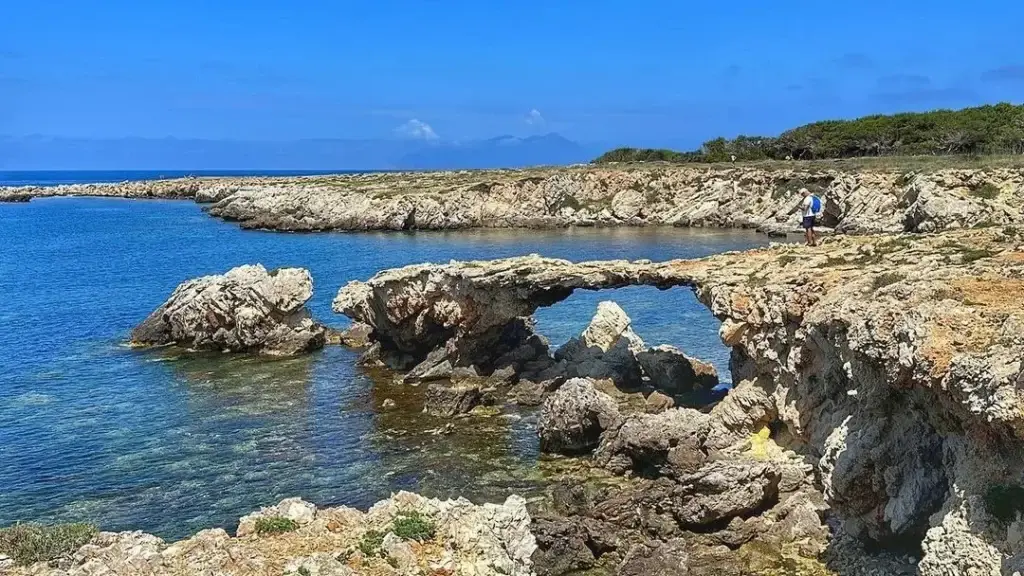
[{"x": 808, "y": 205}]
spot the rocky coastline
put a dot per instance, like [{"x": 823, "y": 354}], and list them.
[
  {"x": 876, "y": 388},
  {"x": 875, "y": 422},
  {"x": 856, "y": 201}
]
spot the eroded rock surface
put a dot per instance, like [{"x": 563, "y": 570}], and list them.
[
  {"x": 890, "y": 364},
  {"x": 574, "y": 417},
  {"x": 485, "y": 540},
  {"x": 248, "y": 309},
  {"x": 856, "y": 200}
]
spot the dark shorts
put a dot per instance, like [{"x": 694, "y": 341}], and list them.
[{"x": 808, "y": 222}]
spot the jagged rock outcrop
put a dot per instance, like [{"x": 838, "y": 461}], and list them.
[
  {"x": 672, "y": 371},
  {"x": 247, "y": 309},
  {"x": 485, "y": 540},
  {"x": 607, "y": 349},
  {"x": 892, "y": 364},
  {"x": 574, "y": 417},
  {"x": 857, "y": 200}
]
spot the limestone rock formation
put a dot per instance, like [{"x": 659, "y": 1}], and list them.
[
  {"x": 485, "y": 540},
  {"x": 670, "y": 443},
  {"x": 856, "y": 200},
  {"x": 672, "y": 371},
  {"x": 248, "y": 309},
  {"x": 891, "y": 363},
  {"x": 607, "y": 349},
  {"x": 574, "y": 417}
]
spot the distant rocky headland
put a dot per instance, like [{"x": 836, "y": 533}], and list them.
[{"x": 857, "y": 200}]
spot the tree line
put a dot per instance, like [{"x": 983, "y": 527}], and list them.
[{"x": 989, "y": 129}]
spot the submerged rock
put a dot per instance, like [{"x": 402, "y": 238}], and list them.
[
  {"x": 451, "y": 400},
  {"x": 247, "y": 309},
  {"x": 574, "y": 417}
]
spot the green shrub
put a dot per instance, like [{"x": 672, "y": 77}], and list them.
[
  {"x": 1004, "y": 501},
  {"x": 413, "y": 526},
  {"x": 968, "y": 133},
  {"x": 275, "y": 525},
  {"x": 371, "y": 543},
  {"x": 987, "y": 191},
  {"x": 30, "y": 543}
]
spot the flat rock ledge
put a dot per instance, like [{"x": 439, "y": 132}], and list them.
[
  {"x": 247, "y": 309},
  {"x": 891, "y": 364},
  {"x": 297, "y": 538}
]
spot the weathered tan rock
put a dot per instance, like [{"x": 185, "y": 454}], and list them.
[
  {"x": 574, "y": 417},
  {"x": 486, "y": 540},
  {"x": 856, "y": 200},
  {"x": 247, "y": 309},
  {"x": 893, "y": 361},
  {"x": 607, "y": 349}
]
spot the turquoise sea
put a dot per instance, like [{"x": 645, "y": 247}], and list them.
[{"x": 170, "y": 442}]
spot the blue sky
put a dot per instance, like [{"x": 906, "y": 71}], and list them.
[{"x": 644, "y": 73}]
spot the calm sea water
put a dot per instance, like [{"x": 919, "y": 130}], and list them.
[
  {"x": 171, "y": 443},
  {"x": 57, "y": 177}
]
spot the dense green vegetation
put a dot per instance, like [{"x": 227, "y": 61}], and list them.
[
  {"x": 30, "y": 543},
  {"x": 275, "y": 525},
  {"x": 414, "y": 526},
  {"x": 990, "y": 129}
]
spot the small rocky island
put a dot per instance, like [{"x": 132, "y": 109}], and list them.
[{"x": 247, "y": 309}]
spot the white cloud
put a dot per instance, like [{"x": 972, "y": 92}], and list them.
[
  {"x": 534, "y": 118},
  {"x": 417, "y": 129}
]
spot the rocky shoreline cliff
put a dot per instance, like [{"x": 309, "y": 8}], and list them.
[
  {"x": 890, "y": 365},
  {"x": 875, "y": 425},
  {"x": 857, "y": 201}
]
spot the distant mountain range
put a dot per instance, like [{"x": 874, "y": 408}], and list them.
[{"x": 54, "y": 153}]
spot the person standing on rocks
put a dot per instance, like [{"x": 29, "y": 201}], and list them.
[{"x": 810, "y": 208}]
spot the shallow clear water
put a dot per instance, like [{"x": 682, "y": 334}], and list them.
[{"x": 171, "y": 443}]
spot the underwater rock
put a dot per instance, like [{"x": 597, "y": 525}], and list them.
[{"x": 447, "y": 401}]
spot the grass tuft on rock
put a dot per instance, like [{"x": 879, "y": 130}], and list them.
[
  {"x": 275, "y": 525},
  {"x": 30, "y": 543},
  {"x": 986, "y": 191},
  {"x": 371, "y": 543},
  {"x": 414, "y": 526}
]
